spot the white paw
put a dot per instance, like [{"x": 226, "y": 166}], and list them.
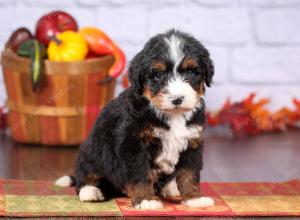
[
  {"x": 64, "y": 181},
  {"x": 90, "y": 193},
  {"x": 170, "y": 189},
  {"x": 199, "y": 202},
  {"x": 149, "y": 204}
]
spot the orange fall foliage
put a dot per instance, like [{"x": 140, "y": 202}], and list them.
[{"x": 252, "y": 117}]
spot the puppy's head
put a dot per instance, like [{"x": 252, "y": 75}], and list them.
[{"x": 171, "y": 71}]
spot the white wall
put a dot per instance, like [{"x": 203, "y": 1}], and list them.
[{"x": 255, "y": 43}]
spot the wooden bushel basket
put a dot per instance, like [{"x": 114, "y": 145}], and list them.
[{"x": 65, "y": 108}]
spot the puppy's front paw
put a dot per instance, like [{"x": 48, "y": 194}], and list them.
[
  {"x": 149, "y": 204},
  {"x": 199, "y": 202},
  {"x": 90, "y": 194}
]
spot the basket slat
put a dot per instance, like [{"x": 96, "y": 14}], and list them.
[
  {"x": 33, "y": 128},
  {"x": 9, "y": 84}
]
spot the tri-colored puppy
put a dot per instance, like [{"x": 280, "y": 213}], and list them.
[{"x": 148, "y": 142}]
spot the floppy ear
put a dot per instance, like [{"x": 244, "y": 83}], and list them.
[
  {"x": 207, "y": 66},
  {"x": 135, "y": 74},
  {"x": 209, "y": 71}
]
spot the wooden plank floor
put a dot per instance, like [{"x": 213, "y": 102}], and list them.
[{"x": 269, "y": 157}]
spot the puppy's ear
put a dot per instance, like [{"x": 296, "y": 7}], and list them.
[
  {"x": 135, "y": 74},
  {"x": 207, "y": 65},
  {"x": 209, "y": 70}
]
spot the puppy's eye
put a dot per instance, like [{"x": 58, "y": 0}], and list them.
[
  {"x": 156, "y": 75},
  {"x": 191, "y": 72}
]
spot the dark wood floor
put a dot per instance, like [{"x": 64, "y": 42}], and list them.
[{"x": 269, "y": 157}]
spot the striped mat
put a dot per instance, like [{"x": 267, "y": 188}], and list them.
[{"x": 24, "y": 198}]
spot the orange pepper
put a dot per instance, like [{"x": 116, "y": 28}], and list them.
[{"x": 99, "y": 43}]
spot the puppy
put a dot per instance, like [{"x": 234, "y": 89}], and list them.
[{"x": 148, "y": 142}]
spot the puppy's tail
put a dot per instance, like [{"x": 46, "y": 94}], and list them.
[{"x": 65, "y": 181}]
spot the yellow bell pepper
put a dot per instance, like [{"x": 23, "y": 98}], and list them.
[{"x": 67, "y": 46}]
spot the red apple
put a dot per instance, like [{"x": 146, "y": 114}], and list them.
[
  {"x": 52, "y": 23},
  {"x": 18, "y": 37}
]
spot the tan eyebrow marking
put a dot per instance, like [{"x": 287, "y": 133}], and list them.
[
  {"x": 189, "y": 63},
  {"x": 158, "y": 65}
]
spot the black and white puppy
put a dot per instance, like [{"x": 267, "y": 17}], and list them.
[{"x": 148, "y": 142}]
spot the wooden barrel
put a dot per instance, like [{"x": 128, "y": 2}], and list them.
[{"x": 67, "y": 105}]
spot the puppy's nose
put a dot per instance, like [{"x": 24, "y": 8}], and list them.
[{"x": 178, "y": 100}]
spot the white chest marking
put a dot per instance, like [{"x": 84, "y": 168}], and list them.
[{"x": 174, "y": 141}]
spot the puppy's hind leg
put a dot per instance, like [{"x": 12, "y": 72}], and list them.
[{"x": 89, "y": 191}]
